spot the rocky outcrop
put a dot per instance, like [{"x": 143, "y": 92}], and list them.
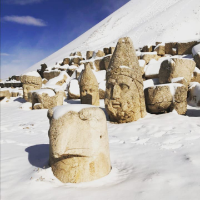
[
  {"x": 30, "y": 82},
  {"x": 79, "y": 148},
  {"x": 166, "y": 98},
  {"x": 124, "y": 100},
  {"x": 89, "y": 88},
  {"x": 176, "y": 67},
  {"x": 46, "y": 99}
]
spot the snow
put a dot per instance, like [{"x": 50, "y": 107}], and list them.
[
  {"x": 196, "y": 49},
  {"x": 126, "y": 67},
  {"x": 141, "y": 62},
  {"x": 52, "y": 82},
  {"x": 153, "y": 68},
  {"x": 44, "y": 91},
  {"x": 174, "y": 80},
  {"x": 194, "y": 94},
  {"x": 102, "y": 85},
  {"x": 152, "y": 158},
  {"x": 74, "y": 87},
  {"x": 150, "y": 83},
  {"x": 100, "y": 75},
  {"x": 33, "y": 73},
  {"x": 151, "y": 21},
  {"x": 162, "y": 44},
  {"x": 59, "y": 111},
  {"x": 197, "y": 70}
]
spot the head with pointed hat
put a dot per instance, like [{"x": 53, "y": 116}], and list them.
[
  {"x": 89, "y": 87},
  {"x": 124, "y": 99}
]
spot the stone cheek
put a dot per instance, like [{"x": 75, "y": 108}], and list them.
[
  {"x": 122, "y": 99},
  {"x": 89, "y": 95}
]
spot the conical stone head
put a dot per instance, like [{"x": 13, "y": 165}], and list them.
[
  {"x": 89, "y": 87},
  {"x": 124, "y": 100}
]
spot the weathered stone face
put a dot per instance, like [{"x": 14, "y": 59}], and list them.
[
  {"x": 4, "y": 93},
  {"x": 79, "y": 148},
  {"x": 124, "y": 100},
  {"x": 89, "y": 90}
]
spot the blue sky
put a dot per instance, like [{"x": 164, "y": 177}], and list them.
[{"x": 33, "y": 29}]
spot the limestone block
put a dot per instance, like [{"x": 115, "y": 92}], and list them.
[
  {"x": 51, "y": 74},
  {"x": 160, "y": 49},
  {"x": 4, "y": 93},
  {"x": 149, "y": 56},
  {"x": 30, "y": 83},
  {"x": 197, "y": 60},
  {"x": 100, "y": 53},
  {"x": 147, "y": 49},
  {"x": 185, "y": 47},
  {"x": 89, "y": 54},
  {"x": 106, "y": 51},
  {"x": 165, "y": 98},
  {"x": 176, "y": 67},
  {"x": 79, "y": 146},
  {"x": 111, "y": 50},
  {"x": 46, "y": 98},
  {"x": 66, "y": 61},
  {"x": 169, "y": 48},
  {"x": 196, "y": 77},
  {"x": 89, "y": 88},
  {"x": 124, "y": 100},
  {"x": 105, "y": 62}
]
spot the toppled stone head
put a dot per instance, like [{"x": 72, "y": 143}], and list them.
[
  {"x": 89, "y": 88},
  {"x": 124, "y": 99}
]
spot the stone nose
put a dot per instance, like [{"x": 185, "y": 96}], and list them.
[{"x": 116, "y": 92}]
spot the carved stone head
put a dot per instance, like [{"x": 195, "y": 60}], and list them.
[{"x": 89, "y": 88}]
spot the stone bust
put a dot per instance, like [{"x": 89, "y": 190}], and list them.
[{"x": 89, "y": 87}]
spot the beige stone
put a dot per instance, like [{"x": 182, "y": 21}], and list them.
[
  {"x": 160, "y": 49},
  {"x": 89, "y": 54},
  {"x": 66, "y": 61},
  {"x": 79, "y": 146},
  {"x": 157, "y": 43},
  {"x": 105, "y": 62},
  {"x": 196, "y": 77},
  {"x": 51, "y": 74},
  {"x": 182, "y": 81},
  {"x": 4, "y": 93},
  {"x": 102, "y": 94},
  {"x": 30, "y": 83},
  {"x": 76, "y": 60},
  {"x": 176, "y": 67},
  {"x": 44, "y": 81},
  {"x": 124, "y": 100},
  {"x": 62, "y": 81},
  {"x": 159, "y": 99},
  {"x": 197, "y": 60},
  {"x": 149, "y": 56},
  {"x": 42, "y": 100},
  {"x": 169, "y": 48},
  {"x": 100, "y": 53},
  {"x": 14, "y": 94},
  {"x": 111, "y": 50},
  {"x": 147, "y": 49},
  {"x": 89, "y": 88},
  {"x": 185, "y": 47},
  {"x": 106, "y": 51},
  {"x": 71, "y": 70}
]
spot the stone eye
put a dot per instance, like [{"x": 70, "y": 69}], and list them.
[{"x": 124, "y": 87}]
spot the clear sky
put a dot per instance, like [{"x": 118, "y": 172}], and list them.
[{"x": 33, "y": 29}]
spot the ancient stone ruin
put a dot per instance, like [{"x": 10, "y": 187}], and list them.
[
  {"x": 79, "y": 148},
  {"x": 124, "y": 100},
  {"x": 31, "y": 81},
  {"x": 46, "y": 98},
  {"x": 89, "y": 88}
]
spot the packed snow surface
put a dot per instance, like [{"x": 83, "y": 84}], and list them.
[
  {"x": 59, "y": 111},
  {"x": 156, "y": 157},
  {"x": 145, "y": 22},
  {"x": 33, "y": 73},
  {"x": 196, "y": 50}
]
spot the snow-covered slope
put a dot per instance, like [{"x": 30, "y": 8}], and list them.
[{"x": 144, "y": 21}]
